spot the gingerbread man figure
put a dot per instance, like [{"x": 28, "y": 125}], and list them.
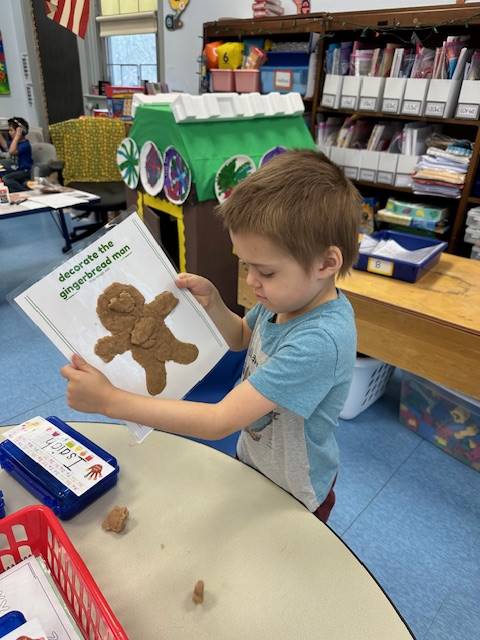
[{"x": 141, "y": 329}]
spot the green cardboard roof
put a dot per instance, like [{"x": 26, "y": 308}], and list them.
[{"x": 206, "y": 145}]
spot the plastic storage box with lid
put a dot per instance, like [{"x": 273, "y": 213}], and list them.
[
  {"x": 448, "y": 419},
  {"x": 370, "y": 379},
  {"x": 68, "y": 497},
  {"x": 396, "y": 268},
  {"x": 36, "y": 531},
  {"x": 285, "y": 71}
]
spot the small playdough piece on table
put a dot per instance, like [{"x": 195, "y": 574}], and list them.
[
  {"x": 198, "y": 591},
  {"x": 116, "y": 519}
]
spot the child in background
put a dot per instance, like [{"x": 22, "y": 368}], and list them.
[
  {"x": 294, "y": 224},
  {"x": 19, "y": 167}
]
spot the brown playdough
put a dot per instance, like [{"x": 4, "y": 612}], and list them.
[
  {"x": 198, "y": 591},
  {"x": 116, "y": 519},
  {"x": 141, "y": 329}
]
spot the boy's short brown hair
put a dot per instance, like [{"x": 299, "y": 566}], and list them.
[{"x": 301, "y": 201}]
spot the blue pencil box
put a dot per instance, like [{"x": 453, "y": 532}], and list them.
[
  {"x": 11, "y": 621},
  {"x": 58, "y": 465}
]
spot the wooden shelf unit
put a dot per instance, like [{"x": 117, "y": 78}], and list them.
[{"x": 378, "y": 23}]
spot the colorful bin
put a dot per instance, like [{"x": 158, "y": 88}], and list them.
[
  {"x": 449, "y": 420},
  {"x": 247, "y": 80},
  {"x": 43, "y": 535},
  {"x": 223, "y": 80}
]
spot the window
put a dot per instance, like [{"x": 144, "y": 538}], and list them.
[{"x": 131, "y": 59}]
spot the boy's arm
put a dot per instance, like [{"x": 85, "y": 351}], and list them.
[
  {"x": 90, "y": 391},
  {"x": 242, "y": 406},
  {"x": 16, "y": 139},
  {"x": 234, "y": 329},
  {"x": 3, "y": 143}
]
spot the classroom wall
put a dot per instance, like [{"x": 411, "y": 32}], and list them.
[
  {"x": 12, "y": 27},
  {"x": 182, "y": 47}
]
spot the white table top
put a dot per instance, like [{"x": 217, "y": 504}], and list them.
[{"x": 271, "y": 569}]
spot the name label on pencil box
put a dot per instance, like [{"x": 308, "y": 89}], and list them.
[
  {"x": 468, "y": 111},
  {"x": 69, "y": 461},
  {"x": 435, "y": 109},
  {"x": 382, "y": 267},
  {"x": 412, "y": 107}
]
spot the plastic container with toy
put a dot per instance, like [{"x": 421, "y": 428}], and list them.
[{"x": 444, "y": 417}]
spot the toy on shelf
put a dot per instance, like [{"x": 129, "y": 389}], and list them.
[{"x": 173, "y": 21}]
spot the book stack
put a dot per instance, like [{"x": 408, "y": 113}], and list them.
[
  {"x": 442, "y": 170},
  {"x": 264, "y": 8},
  {"x": 472, "y": 232}
]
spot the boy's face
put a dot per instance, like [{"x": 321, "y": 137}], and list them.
[
  {"x": 11, "y": 131},
  {"x": 279, "y": 282}
]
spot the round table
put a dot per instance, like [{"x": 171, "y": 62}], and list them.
[{"x": 271, "y": 569}]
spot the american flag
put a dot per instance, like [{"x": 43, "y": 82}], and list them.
[{"x": 71, "y": 14}]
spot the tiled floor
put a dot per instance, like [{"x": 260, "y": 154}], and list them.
[{"x": 407, "y": 510}]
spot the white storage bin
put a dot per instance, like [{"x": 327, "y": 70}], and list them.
[
  {"x": 442, "y": 98},
  {"x": 371, "y": 94},
  {"x": 393, "y": 94},
  {"x": 350, "y": 92},
  {"x": 369, "y": 165},
  {"x": 387, "y": 167},
  {"x": 469, "y": 100},
  {"x": 414, "y": 97},
  {"x": 337, "y": 155},
  {"x": 370, "y": 379},
  {"x": 406, "y": 166},
  {"x": 332, "y": 91},
  {"x": 351, "y": 163}
]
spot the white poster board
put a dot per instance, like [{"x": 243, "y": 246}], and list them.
[{"x": 64, "y": 305}]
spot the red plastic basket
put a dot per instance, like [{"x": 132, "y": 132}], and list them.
[{"x": 36, "y": 531}]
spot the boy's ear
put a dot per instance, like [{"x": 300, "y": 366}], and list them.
[{"x": 330, "y": 263}]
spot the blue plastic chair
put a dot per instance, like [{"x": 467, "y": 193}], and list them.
[{"x": 216, "y": 384}]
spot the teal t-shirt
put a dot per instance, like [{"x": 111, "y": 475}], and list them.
[{"x": 305, "y": 366}]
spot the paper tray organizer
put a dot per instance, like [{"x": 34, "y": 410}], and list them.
[
  {"x": 36, "y": 531},
  {"x": 45, "y": 486},
  {"x": 398, "y": 269}
]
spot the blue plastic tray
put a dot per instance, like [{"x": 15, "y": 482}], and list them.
[
  {"x": 46, "y": 487},
  {"x": 399, "y": 269}
]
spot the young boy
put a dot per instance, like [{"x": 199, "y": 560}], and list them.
[
  {"x": 20, "y": 151},
  {"x": 294, "y": 224}
]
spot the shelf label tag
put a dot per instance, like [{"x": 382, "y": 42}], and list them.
[
  {"x": 468, "y": 111},
  {"x": 348, "y": 102},
  {"x": 390, "y": 105},
  {"x": 436, "y": 109},
  {"x": 411, "y": 107},
  {"x": 368, "y": 103}
]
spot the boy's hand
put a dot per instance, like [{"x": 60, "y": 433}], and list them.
[
  {"x": 88, "y": 389},
  {"x": 18, "y": 133},
  {"x": 204, "y": 291}
]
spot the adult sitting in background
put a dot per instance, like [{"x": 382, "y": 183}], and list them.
[{"x": 19, "y": 164}]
